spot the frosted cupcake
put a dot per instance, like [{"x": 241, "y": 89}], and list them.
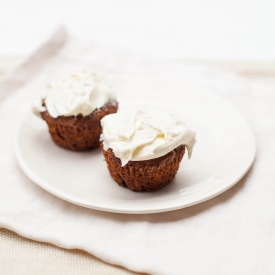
[
  {"x": 143, "y": 149},
  {"x": 73, "y": 108}
]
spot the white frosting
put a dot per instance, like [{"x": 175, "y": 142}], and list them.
[
  {"x": 79, "y": 93},
  {"x": 142, "y": 135}
]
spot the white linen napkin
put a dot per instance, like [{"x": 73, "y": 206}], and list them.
[{"x": 233, "y": 233}]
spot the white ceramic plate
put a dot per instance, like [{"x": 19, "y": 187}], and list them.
[{"x": 224, "y": 151}]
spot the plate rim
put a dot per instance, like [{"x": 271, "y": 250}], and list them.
[{"x": 67, "y": 197}]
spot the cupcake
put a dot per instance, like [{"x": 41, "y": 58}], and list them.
[
  {"x": 143, "y": 149},
  {"x": 73, "y": 107}
]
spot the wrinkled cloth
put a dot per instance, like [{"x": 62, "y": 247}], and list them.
[{"x": 233, "y": 233}]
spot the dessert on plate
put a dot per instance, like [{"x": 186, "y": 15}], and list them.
[
  {"x": 73, "y": 107},
  {"x": 143, "y": 149}
]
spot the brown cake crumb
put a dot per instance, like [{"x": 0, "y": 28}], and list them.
[
  {"x": 78, "y": 133},
  {"x": 146, "y": 175}
]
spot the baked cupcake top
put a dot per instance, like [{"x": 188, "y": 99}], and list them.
[
  {"x": 142, "y": 135},
  {"x": 75, "y": 94}
]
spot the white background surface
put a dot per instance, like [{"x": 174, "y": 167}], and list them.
[
  {"x": 231, "y": 234},
  {"x": 210, "y": 30}
]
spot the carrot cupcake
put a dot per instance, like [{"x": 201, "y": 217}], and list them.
[
  {"x": 143, "y": 149},
  {"x": 73, "y": 108}
]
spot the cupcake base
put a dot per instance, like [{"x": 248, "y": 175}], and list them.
[
  {"x": 78, "y": 133},
  {"x": 146, "y": 175}
]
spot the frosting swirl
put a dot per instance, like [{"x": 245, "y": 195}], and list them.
[
  {"x": 78, "y": 93},
  {"x": 142, "y": 135}
]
